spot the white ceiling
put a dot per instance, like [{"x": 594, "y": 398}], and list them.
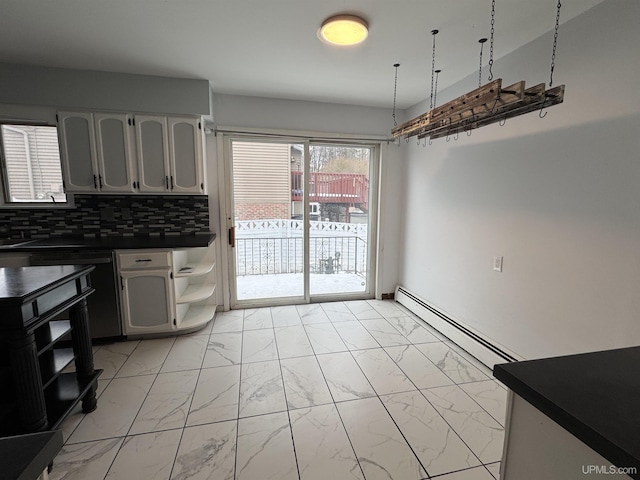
[{"x": 269, "y": 47}]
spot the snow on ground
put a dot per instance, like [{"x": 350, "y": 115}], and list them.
[{"x": 290, "y": 284}]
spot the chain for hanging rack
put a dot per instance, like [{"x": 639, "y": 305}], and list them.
[
  {"x": 395, "y": 90},
  {"x": 555, "y": 43},
  {"x": 435, "y": 91},
  {"x": 433, "y": 64},
  {"x": 493, "y": 22},
  {"x": 481, "y": 41}
]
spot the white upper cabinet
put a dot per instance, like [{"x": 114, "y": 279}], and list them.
[
  {"x": 96, "y": 152},
  {"x": 104, "y": 153},
  {"x": 170, "y": 154},
  {"x": 115, "y": 162},
  {"x": 185, "y": 146},
  {"x": 153, "y": 153},
  {"x": 78, "y": 148}
]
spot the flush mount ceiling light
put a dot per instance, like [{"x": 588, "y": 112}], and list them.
[{"x": 343, "y": 30}]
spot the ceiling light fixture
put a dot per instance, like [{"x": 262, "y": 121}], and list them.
[{"x": 343, "y": 30}]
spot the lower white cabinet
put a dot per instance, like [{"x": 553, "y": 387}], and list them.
[
  {"x": 147, "y": 301},
  {"x": 167, "y": 291}
]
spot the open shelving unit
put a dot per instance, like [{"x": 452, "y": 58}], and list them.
[
  {"x": 38, "y": 393},
  {"x": 195, "y": 286}
]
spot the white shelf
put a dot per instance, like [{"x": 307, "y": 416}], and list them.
[
  {"x": 196, "y": 293},
  {"x": 197, "y": 269},
  {"x": 197, "y": 316}
]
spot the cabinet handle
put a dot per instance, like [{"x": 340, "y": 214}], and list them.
[
  {"x": 174, "y": 322},
  {"x": 100, "y": 180},
  {"x": 171, "y": 182},
  {"x": 129, "y": 121},
  {"x": 166, "y": 180},
  {"x": 95, "y": 182},
  {"x": 143, "y": 260},
  {"x": 122, "y": 282}
]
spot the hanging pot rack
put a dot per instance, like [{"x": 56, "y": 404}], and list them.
[
  {"x": 487, "y": 104},
  {"x": 483, "y": 106}
]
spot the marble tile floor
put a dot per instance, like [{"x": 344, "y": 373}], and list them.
[{"x": 341, "y": 390}]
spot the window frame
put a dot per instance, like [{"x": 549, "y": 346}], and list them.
[{"x": 5, "y": 203}]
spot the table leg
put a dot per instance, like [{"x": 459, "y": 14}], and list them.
[
  {"x": 23, "y": 358},
  {"x": 81, "y": 338}
]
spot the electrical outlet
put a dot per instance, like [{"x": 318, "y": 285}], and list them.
[{"x": 497, "y": 264}]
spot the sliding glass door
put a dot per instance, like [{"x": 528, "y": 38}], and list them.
[
  {"x": 338, "y": 188},
  {"x": 269, "y": 240},
  {"x": 302, "y": 221}
]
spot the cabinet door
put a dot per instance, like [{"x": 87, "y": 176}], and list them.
[
  {"x": 140, "y": 314},
  {"x": 186, "y": 150},
  {"x": 153, "y": 153},
  {"x": 114, "y": 152},
  {"x": 77, "y": 145}
]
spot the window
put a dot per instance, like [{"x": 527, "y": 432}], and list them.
[{"x": 31, "y": 167}]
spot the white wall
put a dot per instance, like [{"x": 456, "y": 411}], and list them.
[
  {"x": 557, "y": 197},
  {"x": 277, "y": 114},
  {"x": 86, "y": 89}
]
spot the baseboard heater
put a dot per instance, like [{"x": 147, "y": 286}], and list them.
[{"x": 471, "y": 341}]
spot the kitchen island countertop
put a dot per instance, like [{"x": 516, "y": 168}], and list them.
[{"x": 594, "y": 396}]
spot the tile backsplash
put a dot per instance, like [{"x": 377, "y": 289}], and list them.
[{"x": 110, "y": 215}]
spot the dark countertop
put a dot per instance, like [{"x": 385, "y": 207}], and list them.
[
  {"x": 595, "y": 396},
  {"x": 24, "y": 457},
  {"x": 18, "y": 285},
  {"x": 111, "y": 243}
]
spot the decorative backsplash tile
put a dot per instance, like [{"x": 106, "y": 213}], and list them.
[{"x": 111, "y": 215}]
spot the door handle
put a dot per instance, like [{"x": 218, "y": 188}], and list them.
[{"x": 232, "y": 237}]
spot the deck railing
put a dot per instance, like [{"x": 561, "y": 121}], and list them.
[{"x": 260, "y": 256}]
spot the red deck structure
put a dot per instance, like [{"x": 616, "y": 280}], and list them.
[{"x": 346, "y": 188}]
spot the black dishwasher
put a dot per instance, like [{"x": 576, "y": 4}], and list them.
[{"x": 104, "y": 314}]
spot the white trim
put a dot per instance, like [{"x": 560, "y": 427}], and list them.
[
  {"x": 464, "y": 340},
  {"x": 306, "y": 225},
  {"x": 223, "y": 196}
]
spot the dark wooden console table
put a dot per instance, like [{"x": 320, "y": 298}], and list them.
[{"x": 37, "y": 395}]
